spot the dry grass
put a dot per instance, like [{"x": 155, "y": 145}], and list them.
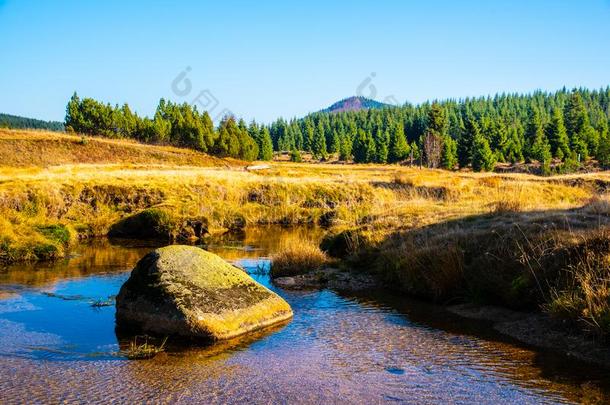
[
  {"x": 584, "y": 291},
  {"x": 88, "y": 190},
  {"x": 297, "y": 256},
  {"x": 30, "y": 148}
]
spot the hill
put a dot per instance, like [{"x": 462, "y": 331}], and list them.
[
  {"x": 17, "y": 122},
  {"x": 27, "y": 148},
  {"x": 355, "y": 104}
]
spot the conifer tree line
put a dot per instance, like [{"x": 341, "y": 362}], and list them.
[
  {"x": 563, "y": 129},
  {"x": 173, "y": 124},
  {"x": 17, "y": 122}
]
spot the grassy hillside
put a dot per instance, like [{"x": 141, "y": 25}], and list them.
[{"x": 27, "y": 148}]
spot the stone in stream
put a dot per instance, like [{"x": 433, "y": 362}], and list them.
[{"x": 187, "y": 291}]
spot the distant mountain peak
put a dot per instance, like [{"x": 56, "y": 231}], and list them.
[{"x": 355, "y": 103}]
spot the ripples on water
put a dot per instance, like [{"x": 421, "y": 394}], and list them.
[{"x": 55, "y": 346}]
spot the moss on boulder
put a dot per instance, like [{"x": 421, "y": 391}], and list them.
[
  {"x": 155, "y": 223},
  {"x": 151, "y": 223},
  {"x": 187, "y": 291}
]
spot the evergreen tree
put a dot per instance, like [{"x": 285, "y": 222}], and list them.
[
  {"x": 297, "y": 134},
  {"x": 498, "y": 139},
  {"x": 227, "y": 143},
  {"x": 399, "y": 148},
  {"x": 335, "y": 144},
  {"x": 603, "y": 149},
  {"x": 449, "y": 156},
  {"x": 345, "y": 149},
  {"x": 284, "y": 136},
  {"x": 364, "y": 148},
  {"x": 541, "y": 151},
  {"x": 265, "y": 145},
  {"x": 432, "y": 140},
  {"x": 383, "y": 147},
  {"x": 558, "y": 136},
  {"x": 318, "y": 145},
  {"x": 208, "y": 133},
  {"x": 483, "y": 158},
  {"x": 577, "y": 125},
  {"x": 437, "y": 119},
  {"x": 73, "y": 121},
  {"x": 513, "y": 152},
  {"x": 466, "y": 141},
  {"x": 534, "y": 134},
  {"x": 308, "y": 134},
  {"x": 160, "y": 130},
  {"x": 248, "y": 148}
]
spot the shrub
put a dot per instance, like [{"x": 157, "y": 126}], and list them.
[{"x": 295, "y": 156}]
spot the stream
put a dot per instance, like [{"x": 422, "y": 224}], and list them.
[{"x": 58, "y": 344}]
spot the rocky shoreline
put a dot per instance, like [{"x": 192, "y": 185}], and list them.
[
  {"x": 531, "y": 328},
  {"x": 332, "y": 278},
  {"x": 539, "y": 330}
]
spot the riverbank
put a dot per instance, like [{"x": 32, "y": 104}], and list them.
[
  {"x": 539, "y": 330},
  {"x": 555, "y": 262},
  {"x": 531, "y": 327}
]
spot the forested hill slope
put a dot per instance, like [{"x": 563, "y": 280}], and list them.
[
  {"x": 354, "y": 104},
  {"x": 566, "y": 126},
  {"x": 17, "y": 122}
]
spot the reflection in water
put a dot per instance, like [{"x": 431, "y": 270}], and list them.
[
  {"x": 95, "y": 257},
  {"x": 365, "y": 349}
]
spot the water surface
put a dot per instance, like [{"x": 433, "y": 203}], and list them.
[{"x": 56, "y": 346}]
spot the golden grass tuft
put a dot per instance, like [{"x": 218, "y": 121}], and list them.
[
  {"x": 507, "y": 206},
  {"x": 297, "y": 256},
  {"x": 403, "y": 179}
]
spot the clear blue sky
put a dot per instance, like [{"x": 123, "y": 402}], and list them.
[{"x": 270, "y": 58}]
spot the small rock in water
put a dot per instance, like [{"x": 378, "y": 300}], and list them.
[{"x": 187, "y": 291}]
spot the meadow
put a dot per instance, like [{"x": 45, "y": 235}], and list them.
[{"x": 517, "y": 240}]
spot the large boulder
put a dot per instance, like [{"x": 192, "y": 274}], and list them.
[
  {"x": 155, "y": 223},
  {"x": 187, "y": 291}
]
